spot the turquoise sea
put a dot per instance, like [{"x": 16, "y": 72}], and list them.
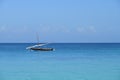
[{"x": 69, "y": 61}]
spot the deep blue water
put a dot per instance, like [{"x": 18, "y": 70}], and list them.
[{"x": 69, "y": 61}]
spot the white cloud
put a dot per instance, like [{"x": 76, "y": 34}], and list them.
[
  {"x": 25, "y": 28},
  {"x": 54, "y": 29},
  {"x": 2, "y": 28},
  {"x": 86, "y": 29},
  {"x": 45, "y": 29},
  {"x": 65, "y": 29},
  {"x": 80, "y": 29},
  {"x": 92, "y": 29}
]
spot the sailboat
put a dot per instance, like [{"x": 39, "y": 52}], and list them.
[{"x": 38, "y": 47}]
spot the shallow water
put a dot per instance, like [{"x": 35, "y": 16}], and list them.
[{"x": 69, "y": 61}]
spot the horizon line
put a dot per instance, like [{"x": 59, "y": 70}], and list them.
[{"x": 50, "y": 43}]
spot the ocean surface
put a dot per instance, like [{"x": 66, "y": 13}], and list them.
[{"x": 69, "y": 61}]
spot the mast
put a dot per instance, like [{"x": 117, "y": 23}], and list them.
[{"x": 37, "y": 38}]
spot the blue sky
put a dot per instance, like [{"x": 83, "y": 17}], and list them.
[{"x": 60, "y": 20}]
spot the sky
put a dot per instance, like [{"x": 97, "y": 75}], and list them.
[{"x": 60, "y": 21}]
